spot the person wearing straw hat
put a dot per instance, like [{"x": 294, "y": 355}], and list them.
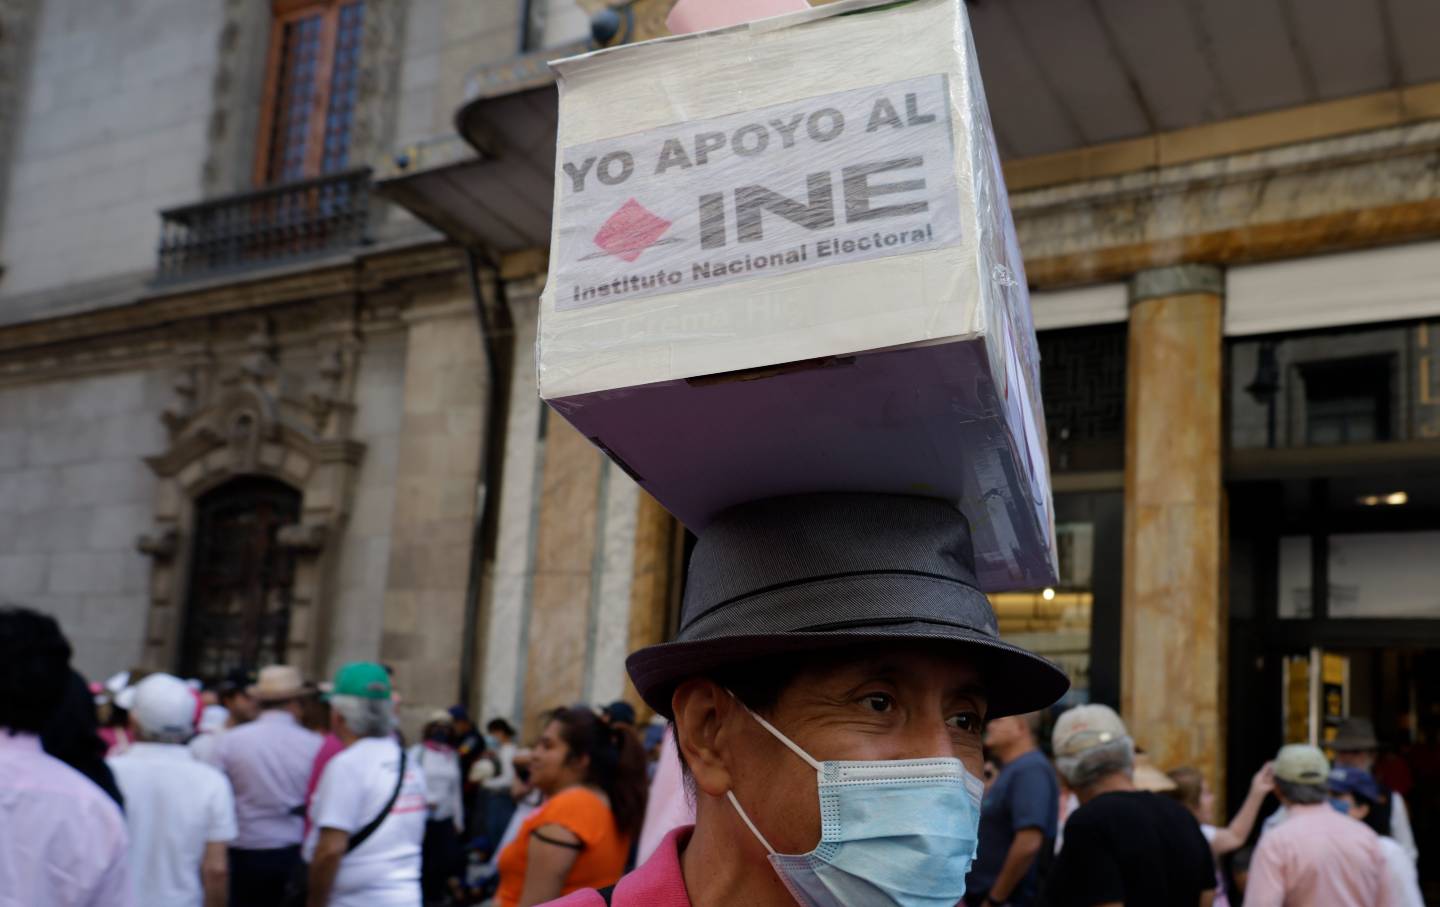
[
  {"x": 1123, "y": 845},
  {"x": 180, "y": 811},
  {"x": 1356, "y": 746},
  {"x": 1317, "y": 855},
  {"x": 828, "y": 686},
  {"x": 268, "y": 762}
]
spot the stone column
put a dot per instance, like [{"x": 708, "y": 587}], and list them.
[
  {"x": 1172, "y": 646},
  {"x": 562, "y": 586},
  {"x": 654, "y": 582},
  {"x": 434, "y": 519}
]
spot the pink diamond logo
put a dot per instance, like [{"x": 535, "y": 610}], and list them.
[{"x": 631, "y": 230}]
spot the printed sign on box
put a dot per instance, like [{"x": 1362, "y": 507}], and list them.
[{"x": 837, "y": 178}]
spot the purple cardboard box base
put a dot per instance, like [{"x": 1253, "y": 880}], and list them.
[{"x": 923, "y": 420}]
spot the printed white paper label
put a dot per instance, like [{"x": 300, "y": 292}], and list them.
[{"x": 842, "y": 177}]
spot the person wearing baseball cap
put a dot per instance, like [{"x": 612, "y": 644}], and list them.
[
  {"x": 180, "y": 811},
  {"x": 367, "y": 820},
  {"x": 1358, "y": 795},
  {"x": 1356, "y": 746},
  {"x": 828, "y": 688},
  {"x": 1316, "y": 855},
  {"x": 1123, "y": 844}
]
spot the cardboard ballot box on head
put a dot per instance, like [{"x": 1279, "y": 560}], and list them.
[{"x": 783, "y": 261}]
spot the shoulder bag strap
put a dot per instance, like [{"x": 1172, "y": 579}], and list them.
[{"x": 359, "y": 837}]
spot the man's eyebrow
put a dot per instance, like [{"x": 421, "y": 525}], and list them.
[{"x": 970, "y": 689}]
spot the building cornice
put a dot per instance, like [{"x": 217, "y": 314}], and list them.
[{"x": 366, "y": 270}]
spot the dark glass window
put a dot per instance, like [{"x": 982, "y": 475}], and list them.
[
  {"x": 1082, "y": 382},
  {"x": 312, "y": 89},
  {"x": 1347, "y": 401},
  {"x": 1356, "y": 385}
]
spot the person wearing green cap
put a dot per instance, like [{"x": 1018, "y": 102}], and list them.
[
  {"x": 367, "y": 820},
  {"x": 1316, "y": 855}
]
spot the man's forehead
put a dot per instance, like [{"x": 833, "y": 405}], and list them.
[{"x": 902, "y": 662}]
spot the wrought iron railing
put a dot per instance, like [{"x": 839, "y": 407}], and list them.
[{"x": 264, "y": 227}]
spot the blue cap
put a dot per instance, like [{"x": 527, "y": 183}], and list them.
[
  {"x": 1354, "y": 781},
  {"x": 620, "y": 711},
  {"x": 459, "y": 713}
]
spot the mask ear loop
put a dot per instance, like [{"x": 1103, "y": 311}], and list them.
[
  {"x": 794, "y": 748},
  {"x": 748, "y": 824},
  {"x": 730, "y": 794}
]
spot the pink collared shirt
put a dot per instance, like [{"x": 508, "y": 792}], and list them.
[
  {"x": 1318, "y": 856},
  {"x": 657, "y": 883},
  {"x": 268, "y": 762},
  {"x": 62, "y": 839}
]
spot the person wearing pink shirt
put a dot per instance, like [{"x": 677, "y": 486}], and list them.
[
  {"x": 1317, "y": 855},
  {"x": 62, "y": 839}
]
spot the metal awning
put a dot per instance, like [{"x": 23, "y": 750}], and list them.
[
  {"x": 1059, "y": 76},
  {"x": 491, "y": 186}
]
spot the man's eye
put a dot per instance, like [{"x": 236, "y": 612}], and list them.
[
  {"x": 878, "y": 702},
  {"x": 965, "y": 721}
]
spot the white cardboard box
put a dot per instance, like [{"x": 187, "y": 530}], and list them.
[{"x": 783, "y": 261}]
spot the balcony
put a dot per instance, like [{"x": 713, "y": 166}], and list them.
[{"x": 266, "y": 227}]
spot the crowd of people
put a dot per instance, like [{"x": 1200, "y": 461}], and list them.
[
  {"x": 268, "y": 791},
  {"x": 1134, "y": 835},
  {"x": 880, "y": 759}
]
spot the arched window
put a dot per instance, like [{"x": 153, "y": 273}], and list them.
[{"x": 237, "y": 612}]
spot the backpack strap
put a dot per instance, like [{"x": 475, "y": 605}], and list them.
[{"x": 360, "y": 836}]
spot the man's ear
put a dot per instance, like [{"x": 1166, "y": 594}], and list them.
[{"x": 703, "y": 711}]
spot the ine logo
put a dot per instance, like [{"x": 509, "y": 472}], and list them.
[
  {"x": 844, "y": 177},
  {"x": 631, "y": 230}
]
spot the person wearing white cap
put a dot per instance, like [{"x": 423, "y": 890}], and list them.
[
  {"x": 1123, "y": 845},
  {"x": 181, "y": 812}
]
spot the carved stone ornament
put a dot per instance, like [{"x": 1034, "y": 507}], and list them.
[
  {"x": 304, "y": 538},
  {"x": 241, "y": 412},
  {"x": 161, "y": 545}
]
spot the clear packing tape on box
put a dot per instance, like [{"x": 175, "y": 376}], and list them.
[{"x": 783, "y": 260}]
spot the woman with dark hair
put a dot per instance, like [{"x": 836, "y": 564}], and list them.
[
  {"x": 73, "y": 736},
  {"x": 593, "y": 780}
]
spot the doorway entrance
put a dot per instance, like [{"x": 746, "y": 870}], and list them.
[
  {"x": 237, "y": 612},
  {"x": 1335, "y": 613}
]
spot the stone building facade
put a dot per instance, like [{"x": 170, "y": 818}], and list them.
[{"x": 353, "y": 375}]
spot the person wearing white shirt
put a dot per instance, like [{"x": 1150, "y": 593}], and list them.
[
  {"x": 180, "y": 812},
  {"x": 268, "y": 763},
  {"x": 441, "y": 764},
  {"x": 1356, "y": 793},
  {"x": 499, "y": 804},
  {"x": 1356, "y": 746},
  {"x": 367, "y": 819}
]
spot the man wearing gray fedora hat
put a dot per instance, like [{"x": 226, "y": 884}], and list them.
[
  {"x": 828, "y": 687},
  {"x": 1356, "y": 746}
]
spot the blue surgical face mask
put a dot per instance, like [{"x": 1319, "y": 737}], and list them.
[{"x": 894, "y": 832}]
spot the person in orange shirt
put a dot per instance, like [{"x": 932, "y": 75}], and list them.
[{"x": 593, "y": 779}]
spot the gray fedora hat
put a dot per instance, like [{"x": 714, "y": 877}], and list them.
[
  {"x": 1354, "y": 735},
  {"x": 820, "y": 571}
]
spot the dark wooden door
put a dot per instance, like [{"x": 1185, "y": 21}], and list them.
[{"x": 237, "y": 613}]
